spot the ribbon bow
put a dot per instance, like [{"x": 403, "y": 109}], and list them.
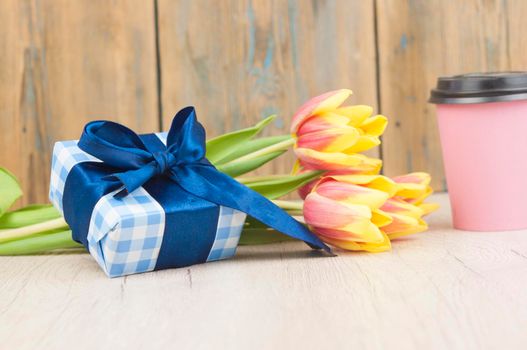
[{"x": 183, "y": 161}]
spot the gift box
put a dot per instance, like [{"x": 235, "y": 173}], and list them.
[
  {"x": 125, "y": 235},
  {"x": 150, "y": 202}
]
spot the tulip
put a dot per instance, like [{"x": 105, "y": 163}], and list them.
[
  {"x": 328, "y": 137},
  {"x": 406, "y": 218},
  {"x": 348, "y": 215},
  {"x": 406, "y": 208},
  {"x": 351, "y": 206},
  {"x": 414, "y": 186},
  {"x": 364, "y": 212}
]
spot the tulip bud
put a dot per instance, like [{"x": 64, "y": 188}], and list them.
[
  {"x": 328, "y": 137},
  {"x": 347, "y": 216}
]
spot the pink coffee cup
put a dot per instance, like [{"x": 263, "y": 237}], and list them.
[{"x": 483, "y": 128}]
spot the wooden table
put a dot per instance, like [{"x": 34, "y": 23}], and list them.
[{"x": 441, "y": 289}]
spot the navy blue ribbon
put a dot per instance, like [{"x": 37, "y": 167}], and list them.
[{"x": 183, "y": 161}]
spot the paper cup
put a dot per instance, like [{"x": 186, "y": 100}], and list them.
[{"x": 483, "y": 128}]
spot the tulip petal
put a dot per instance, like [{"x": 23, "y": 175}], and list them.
[
  {"x": 413, "y": 186},
  {"x": 373, "y": 235},
  {"x": 356, "y": 114},
  {"x": 329, "y": 140},
  {"x": 419, "y": 197},
  {"x": 306, "y": 189},
  {"x": 399, "y": 206},
  {"x": 427, "y": 208},
  {"x": 353, "y": 219},
  {"x": 350, "y": 193},
  {"x": 297, "y": 167},
  {"x": 313, "y": 159},
  {"x": 360, "y": 246},
  {"x": 325, "y": 161},
  {"x": 413, "y": 178},
  {"x": 380, "y": 218},
  {"x": 324, "y": 212},
  {"x": 366, "y": 168},
  {"x": 412, "y": 191},
  {"x": 324, "y": 121},
  {"x": 403, "y": 225},
  {"x": 378, "y": 182},
  {"x": 364, "y": 143},
  {"x": 317, "y": 105},
  {"x": 375, "y": 125}
]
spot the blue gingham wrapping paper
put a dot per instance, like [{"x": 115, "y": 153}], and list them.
[{"x": 125, "y": 235}]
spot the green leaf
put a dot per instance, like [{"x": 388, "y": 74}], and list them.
[
  {"x": 281, "y": 186},
  {"x": 234, "y": 168},
  {"x": 254, "y": 236},
  {"x": 40, "y": 243},
  {"x": 254, "y": 145},
  {"x": 254, "y": 232},
  {"x": 30, "y": 230},
  {"x": 252, "y": 223},
  {"x": 223, "y": 145},
  {"x": 10, "y": 190},
  {"x": 29, "y": 215}
]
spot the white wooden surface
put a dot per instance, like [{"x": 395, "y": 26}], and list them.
[{"x": 437, "y": 290}]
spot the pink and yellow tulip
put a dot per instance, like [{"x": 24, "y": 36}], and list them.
[
  {"x": 328, "y": 136},
  {"x": 344, "y": 211},
  {"x": 364, "y": 212},
  {"x": 407, "y": 207},
  {"x": 351, "y": 206},
  {"x": 414, "y": 187}
]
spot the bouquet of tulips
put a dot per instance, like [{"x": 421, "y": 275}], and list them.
[
  {"x": 352, "y": 206},
  {"x": 347, "y": 203}
]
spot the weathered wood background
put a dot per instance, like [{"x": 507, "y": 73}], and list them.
[{"x": 63, "y": 63}]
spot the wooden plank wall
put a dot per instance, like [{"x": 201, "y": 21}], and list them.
[
  {"x": 421, "y": 40},
  {"x": 241, "y": 61},
  {"x": 63, "y": 63}
]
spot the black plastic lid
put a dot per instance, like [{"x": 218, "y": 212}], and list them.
[{"x": 480, "y": 87}]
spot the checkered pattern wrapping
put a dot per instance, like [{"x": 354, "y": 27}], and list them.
[
  {"x": 230, "y": 224},
  {"x": 66, "y": 155},
  {"x": 125, "y": 235}
]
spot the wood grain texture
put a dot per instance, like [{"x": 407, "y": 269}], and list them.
[
  {"x": 240, "y": 61},
  {"x": 64, "y": 63},
  {"x": 421, "y": 40},
  {"x": 515, "y": 35},
  {"x": 443, "y": 289}
]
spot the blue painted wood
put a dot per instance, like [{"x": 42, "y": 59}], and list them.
[{"x": 239, "y": 61}]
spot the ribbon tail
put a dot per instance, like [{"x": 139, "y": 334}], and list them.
[{"x": 208, "y": 183}]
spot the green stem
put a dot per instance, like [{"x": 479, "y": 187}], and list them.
[
  {"x": 262, "y": 236},
  {"x": 251, "y": 179},
  {"x": 39, "y": 244},
  {"x": 294, "y": 212},
  {"x": 289, "y": 205},
  {"x": 22, "y": 232},
  {"x": 30, "y": 215},
  {"x": 280, "y": 146}
]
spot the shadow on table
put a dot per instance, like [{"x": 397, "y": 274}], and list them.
[{"x": 278, "y": 251}]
